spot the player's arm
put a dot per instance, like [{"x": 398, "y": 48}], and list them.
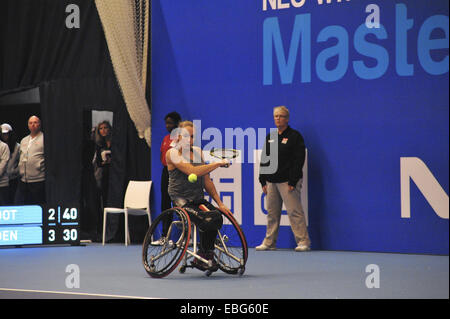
[
  {"x": 175, "y": 159},
  {"x": 211, "y": 190}
]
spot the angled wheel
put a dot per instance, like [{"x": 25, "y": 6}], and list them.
[
  {"x": 164, "y": 248},
  {"x": 231, "y": 247}
]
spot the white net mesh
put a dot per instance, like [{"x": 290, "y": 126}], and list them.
[{"x": 125, "y": 23}]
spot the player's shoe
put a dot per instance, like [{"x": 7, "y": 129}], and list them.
[
  {"x": 210, "y": 256},
  {"x": 263, "y": 247},
  {"x": 302, "y": 247}
]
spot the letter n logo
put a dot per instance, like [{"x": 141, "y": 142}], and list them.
[{"x": 415, "y": 168}]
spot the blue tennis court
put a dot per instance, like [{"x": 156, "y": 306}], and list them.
[{"x": 116, "y": 271}]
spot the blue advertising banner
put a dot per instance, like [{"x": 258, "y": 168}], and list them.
[{"x": 366, "y": 83}]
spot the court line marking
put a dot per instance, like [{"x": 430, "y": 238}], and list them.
[{"x": 76, "y": 293}]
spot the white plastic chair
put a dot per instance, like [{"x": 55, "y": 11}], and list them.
[{"x": 136, "y": 202}]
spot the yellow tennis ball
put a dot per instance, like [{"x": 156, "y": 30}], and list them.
[{"x": 192, "y": 178}]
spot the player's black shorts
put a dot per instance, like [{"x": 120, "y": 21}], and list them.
[{"x": 208, "y": 222}]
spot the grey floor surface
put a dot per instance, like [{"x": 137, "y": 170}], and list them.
[{"x": 116, "y": 271}]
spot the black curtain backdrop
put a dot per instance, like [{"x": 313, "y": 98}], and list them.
[
  {"x": 36, "y": 45},
  {"x": 73, "y": 71},
  {"x": 64, "y": 104}
]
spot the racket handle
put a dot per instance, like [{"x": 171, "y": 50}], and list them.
[{"x": 226, "y": 163}]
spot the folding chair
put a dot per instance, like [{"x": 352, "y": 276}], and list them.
[{"x": 136, "y": 202}]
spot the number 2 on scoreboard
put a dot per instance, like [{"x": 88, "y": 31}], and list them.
[{"x": 51, "y": 214}]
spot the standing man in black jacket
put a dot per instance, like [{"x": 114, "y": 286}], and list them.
[{"x": 284, "y": 184}]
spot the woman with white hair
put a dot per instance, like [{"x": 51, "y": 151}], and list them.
[{"x": 284, "y": 185}]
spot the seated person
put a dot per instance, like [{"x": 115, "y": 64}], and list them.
[{"x": 185, "y": 159}]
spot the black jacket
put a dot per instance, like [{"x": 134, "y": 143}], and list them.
[{"x": 291, "y": 157}]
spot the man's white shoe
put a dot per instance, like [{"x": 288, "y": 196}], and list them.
[
  {"x": 302, "y": 247},
  {"x": 263, "y": 247}
]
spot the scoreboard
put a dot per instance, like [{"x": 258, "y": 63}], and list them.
[{"x": 38, "y": 225}]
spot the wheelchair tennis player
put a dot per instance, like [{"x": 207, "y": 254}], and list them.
[{"x": 184, "y": 159}]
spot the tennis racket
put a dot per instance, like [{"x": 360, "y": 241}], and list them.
[{"x": 224, "y": 153}]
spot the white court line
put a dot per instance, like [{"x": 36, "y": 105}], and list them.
[{"x": 76, "y": 293}]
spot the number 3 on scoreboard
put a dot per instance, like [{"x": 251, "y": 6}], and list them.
[{"x": 51, "y": 235}]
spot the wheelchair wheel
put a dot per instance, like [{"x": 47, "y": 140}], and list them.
[
  {"x": 231, "y": 247},
  {"x": 161, "y": 253}
]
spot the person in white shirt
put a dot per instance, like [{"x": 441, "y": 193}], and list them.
[
  {"x": 9, "y": 137},
  {"x": 31, "y": 188},
  {"x": 4, "y": 180}
]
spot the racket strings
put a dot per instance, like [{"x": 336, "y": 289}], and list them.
[{"x": 224, "y": 153}]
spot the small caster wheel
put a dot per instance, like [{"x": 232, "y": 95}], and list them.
[
  {"x": 208, "y": 273},
  {"x": 241, "y": 271},
  {"x": 182, "y": 269}
]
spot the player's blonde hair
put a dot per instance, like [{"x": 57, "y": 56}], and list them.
[
  {"x": 281, "y": 108},
  {"x": 185, "y": 123},
  {"x": 181, "y": 129}
]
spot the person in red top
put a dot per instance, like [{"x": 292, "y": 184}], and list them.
[{"x": 172, "y": 119}]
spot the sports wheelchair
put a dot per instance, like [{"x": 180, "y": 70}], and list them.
[{"x": 162, "y": 251}]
